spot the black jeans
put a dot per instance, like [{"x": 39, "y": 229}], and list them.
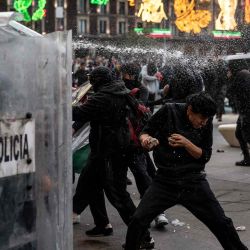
[
  {"x": 108, "y": 174},
  {"x": 242, "y": 133},
  {"x": 138, "y": 164},
  {"x": 196, "y": 196}
]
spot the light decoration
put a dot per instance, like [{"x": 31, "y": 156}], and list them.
[
  {"x": 152, "y": 11},
  {"x": 226, "y": 19},
  {"x": 188, "y": 19},
  {"x": 154, "y": 33},
  {"x": 22, "y": 6},
  {"x": 99, "y": 2},
  {"x": 160, "y": 33},
  {"x": 131, "y": 3},
  {"x": 226, "y": 34},
  {"x": 247, "y": 11}
]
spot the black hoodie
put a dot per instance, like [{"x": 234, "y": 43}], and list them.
[{"x": 106, "y": 111}]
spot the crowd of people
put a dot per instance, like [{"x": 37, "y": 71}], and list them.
[{"x": 179, "y": 134}]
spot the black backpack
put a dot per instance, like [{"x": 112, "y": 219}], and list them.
[{"x": 138, "y": 116}]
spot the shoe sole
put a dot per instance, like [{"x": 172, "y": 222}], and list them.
[
  {"x": 99, "y": 235},
  {"x": 161, "y": 224}
]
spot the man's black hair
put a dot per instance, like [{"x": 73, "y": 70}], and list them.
[
  {"x": 131, "y": 69},
  {"x": 202, "y": 103}
]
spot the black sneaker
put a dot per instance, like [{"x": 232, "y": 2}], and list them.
[
  {"x": 243, "y": 163},
  {"x": 146, "y": 244},
  {"x": 99, "y": 232}
]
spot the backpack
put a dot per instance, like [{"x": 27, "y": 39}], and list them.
[{"x": 138, "y": 116}]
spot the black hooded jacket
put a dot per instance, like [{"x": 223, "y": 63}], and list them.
[
  {"x": 241, "y": 89},
  {"x": 106, "y": 111}
]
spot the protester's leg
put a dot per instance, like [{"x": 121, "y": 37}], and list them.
[
  {"x": 98, "y": 209},
  {"x": 138, "y": 166},
  {"x": 157, "y": 198},
  {"x": 201, "y": 202},
  {"x": 115, "y": 186},
  {"x": 86, "y": 184},
  {"x": 242, "y": 138}
]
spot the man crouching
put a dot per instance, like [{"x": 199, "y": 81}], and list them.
[{"x": 181, "y": 137}]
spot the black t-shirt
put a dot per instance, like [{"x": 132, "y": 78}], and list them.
[{"x": 172, "y": 118}]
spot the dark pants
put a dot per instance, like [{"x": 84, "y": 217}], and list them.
[
  {"x": 242, "y": 133},
  {"x": 194, "y": 195},
  {"x": 108, "y": 174},
  {"x": 151, "y": 98},
  {"x": 138, "y": 164}
]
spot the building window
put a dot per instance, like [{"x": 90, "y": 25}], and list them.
[
  {"x": 83, "y": 6},
  {"x": 83, "y": 26},
  {"x": 103, "y": 9},
  {"x": 122, "y": 8},
  {"x": 103, "y": 26},
  {"x": 122, "y": 27}
]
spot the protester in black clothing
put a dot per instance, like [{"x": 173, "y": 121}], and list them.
[
  {"x": 181, "y": 135},
  {"x": 107, "y": 164},
  {"x": 240, "y": 78},
  {"x": 179, "y": 81}
]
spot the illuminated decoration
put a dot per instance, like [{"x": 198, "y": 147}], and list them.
[
  {"x": 160, "y": 33},
  {"x": 247, "y": 11},
  {"x": 99, "y": 2},
  {"x": 226, "y": 34},
  {"x": 40, "y": 12},
  {"x": 131, "y": 3},
  {"x": 22, "y": 6},
  {"x": 154, "y": 33},
  {"x": 226, "y": 19},
  {"x": 190, "y": 20},
  {"x": 152, "y": 11}
]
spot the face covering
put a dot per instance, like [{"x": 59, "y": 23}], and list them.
[{"x": 131, "y": 84}]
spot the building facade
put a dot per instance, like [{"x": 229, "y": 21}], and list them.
[{"x": 58, "y": 15}]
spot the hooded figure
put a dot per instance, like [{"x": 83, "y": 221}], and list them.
[
  {"x": 107, "y": 165},
  {"x": 240, "y": 87}
]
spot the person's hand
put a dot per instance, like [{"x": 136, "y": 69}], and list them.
[
  {"x": 177, "y": 140},
  {"x": 165, "y": 90},
  {"x": 148, "y": 142},
  {"x": 159, "y": 76}
]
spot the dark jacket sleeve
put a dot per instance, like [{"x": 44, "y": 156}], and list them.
[
  {"x": 156, "y": 122},
  {"x": 206, "y": 143},
  {"x": 92, "y": 110},
  {"x": 143, "y": 94}
]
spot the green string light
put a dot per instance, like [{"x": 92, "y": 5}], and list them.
[
  {"x": 99, "y": 2},
  {"x": 39, "y": 13},
  {"x": 22, "y": 6}
]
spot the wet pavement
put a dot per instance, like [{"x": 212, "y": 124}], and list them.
[{"x": 231, "y": 185}]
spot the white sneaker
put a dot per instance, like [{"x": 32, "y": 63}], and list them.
[
  {"x": 76, "y": 218},
  {"x": 161, "y": 221}
]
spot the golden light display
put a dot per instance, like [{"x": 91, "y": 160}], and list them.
[
  {"x": 247, "y": 11},
  {"x": 190, "y": 20},
  {"x": 152, "y": 11},
  {"x": 226, "y": 19},
  {"x": 131, "y": 3}
]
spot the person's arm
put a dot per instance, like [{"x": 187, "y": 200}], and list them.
[
  {"x": 149, "y": 132},
  {"x": 145, "y": 75},
  {"x": 177, "y": 140},
  {"x": 89, "y": 111},
  {"x": 202, "y": 153}
]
